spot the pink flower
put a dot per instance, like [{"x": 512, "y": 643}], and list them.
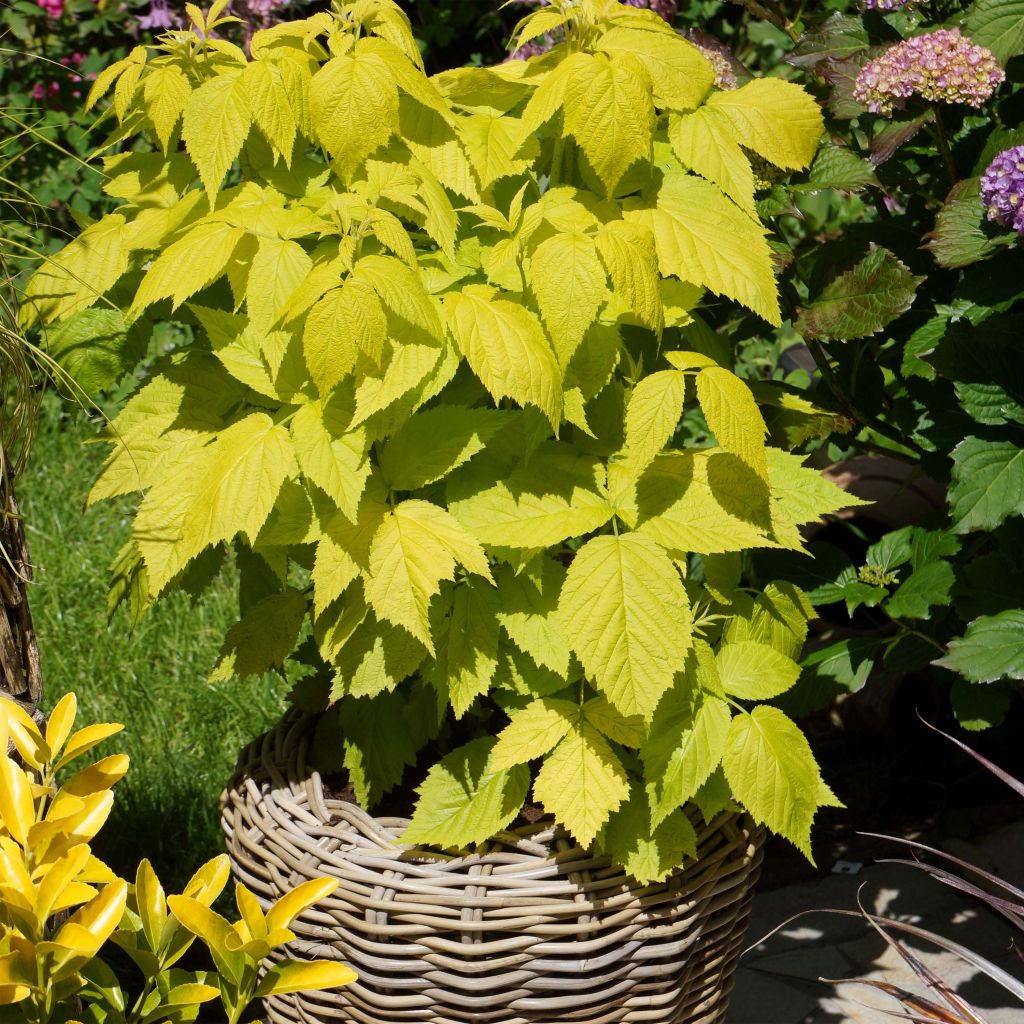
[
  {"x": 941, "y": 66},
  {"x": 53, "y": 8}
]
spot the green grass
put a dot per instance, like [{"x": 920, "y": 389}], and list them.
[{"x": 182, "y": 733}]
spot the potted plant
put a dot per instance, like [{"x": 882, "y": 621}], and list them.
[{"x": 448, "y": 404}]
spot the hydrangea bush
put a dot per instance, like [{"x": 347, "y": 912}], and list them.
[
  {"x": 903, "y": 281},
  {"x": 452, "y": 405}
]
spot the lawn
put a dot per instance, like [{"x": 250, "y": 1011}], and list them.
[{"x": 181, "y": 732}]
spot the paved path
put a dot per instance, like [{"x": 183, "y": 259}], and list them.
[{"x": 776, "y": 982}]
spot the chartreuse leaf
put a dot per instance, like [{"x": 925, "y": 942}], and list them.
[
  {"x": 649, "y": 853},
  {"x": 433, "y": 442},
  {"x": 751, "y": 670},
  {"x": 533, "y": 731},
  {"x": 527, "y": 605},
  {"x": 628, "y": 730},
  {"x": 215, "y": 125},
  {"x": 626, "y": 615},
  {"x": 262, "y": 638},
  {"x": 992, "y": 648},
  {"x": 464, "y": 801},
  {"x": 599, "y": 782},
  {"x": 277, "y": 270},
  {"x": 680, "y": 73},
  {"x": 354, "y": 102},
  {"x": 704, "y": 238},
  {"x": 165, "y": 93},
  {"x": 554, "y": 495},
  {"x": 492, "y": 145},
  {"x": 652, "y": 415},
  {"x": 226, "y": 488},
  {"x": 570, "y": 284},
  {"x": 777, "y": 119},
  {"x": 506, "y": 347},
  {"x": 415, "y": 547},
  {"x": 733, "y": 416},
  {"x": 778, "y": 619},
  {"x": 77, "y": 276},
  {"x": 629, "y": 255},
  {"x": 708, "y": 145},
  {"x": 467, "y": 655},
  {"x": 303, "y": 976},
  {"x": 266, "y": 89},
  {"x": 773, "y": 774}
]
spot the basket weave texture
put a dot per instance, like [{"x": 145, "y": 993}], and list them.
[{"x": 531, "y": 929}]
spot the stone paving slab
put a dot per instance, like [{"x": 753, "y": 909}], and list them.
[{"x": 777, "y": 982}]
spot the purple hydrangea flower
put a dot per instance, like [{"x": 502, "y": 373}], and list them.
[
  {"x": 159, "y": 17},
  {"x": 942, "y": 66},
  {"x": 1002, "y": 189}
]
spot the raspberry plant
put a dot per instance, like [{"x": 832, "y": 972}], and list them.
[{"x": 442, "y": 401}]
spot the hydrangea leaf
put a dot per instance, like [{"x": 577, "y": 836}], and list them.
[{"x": 992, "y": 648}]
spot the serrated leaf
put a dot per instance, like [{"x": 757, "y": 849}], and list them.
[
  {"x": 263, "y": 637},
  {"x": 570, "y": 284},
  {"x": 860, "y": 301},
  {"x": 630, "y": 257},
  {"x": 772, "y": 772},
  {"x": 215, "y": 126},
  {"x": 751, "y": 670},
  {"x": 707, "y": 240},
  {"x": 680, "y": 73},
  {"x": 652, "y": 415},
  {"x": 925, "y": 588},
  {"x": 377, "y": 745},
  {"x": 837, "y": 167},
  {"x": 277, "y": 270},
  {"x": 960, "y": 237},
  {"x": 467, "y": 655},
  {"x": 505, "y": 346},
  {"x": 416, "y": 546},
  {"x": 433, "y": 442},
  {"x": 493, "y": 147},
  {"x": 533, "y": 731},
  {"x": 226, "y": 488},
  {"x": 373, "y": 659},
  {"x": 778, "y": 120},
  {"x": 354, "y": 102},
  {"x": 267, "y": 90},
  {"x": 95, "y": 346},
  {"x": 554, "y": 495},
  {"x": 527, "y": 603},
  {"x": 464, "y": 801},
  {"x": 330, "y": 453},
  {"x": 707, "y": 144},
  {"x": 165, "y": 93},
  {"x": 630, "y": 730},
  {"x": 685, "y": 745},
  {"x": 599, "y": 783},
  {"x": 779, "y": 619},
  {"x": 648, "y": 854},
  {"x": 733, "y": 416},
  {"x": 997, "y": 25},
  {"x": 987, "y": 485},
  {"x": 626, "y": 615},
  {"x": 992, "y": 648},
  {"x": 609, "y": 110}
]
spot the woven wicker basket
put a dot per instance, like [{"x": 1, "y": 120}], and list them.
[{"x": 531, "y": 930}]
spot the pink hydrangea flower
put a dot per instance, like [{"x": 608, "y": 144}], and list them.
[
  {"x": 890, "y": 5},
  {"x": 941, "y": 66},
  {"x": 1002, "y": 189}
]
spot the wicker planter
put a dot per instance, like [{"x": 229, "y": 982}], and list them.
[{"x": 532, "y": 930}]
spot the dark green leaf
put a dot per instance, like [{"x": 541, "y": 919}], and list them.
[
  {"x": 892, "y": 551},
  {"x": 847, "y": 662},
  {"x": 988, "y": 484},
  {"x": 862, "y": 300},
  {"x": 991, "y": 649},
  {"x": 920, "y": 343},
  {"x": 929, "y": 586},
  {"x": 960, "y": 238},
  {"x": 908, "y": 653},
  {"x": 999, "y": 25},
  {"x": 927, "y": 546},
  {"x": 838, "y": 36},
  {"x": 979, "y": 707},
  {"x": 837, "y": 167}
]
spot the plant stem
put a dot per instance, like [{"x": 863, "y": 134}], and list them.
[{"x": 943, "y": 142}]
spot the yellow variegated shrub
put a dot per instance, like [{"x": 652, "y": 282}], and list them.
[
  {"x": 446, "y": 359},
  {"x": 60, "y": 906}
]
